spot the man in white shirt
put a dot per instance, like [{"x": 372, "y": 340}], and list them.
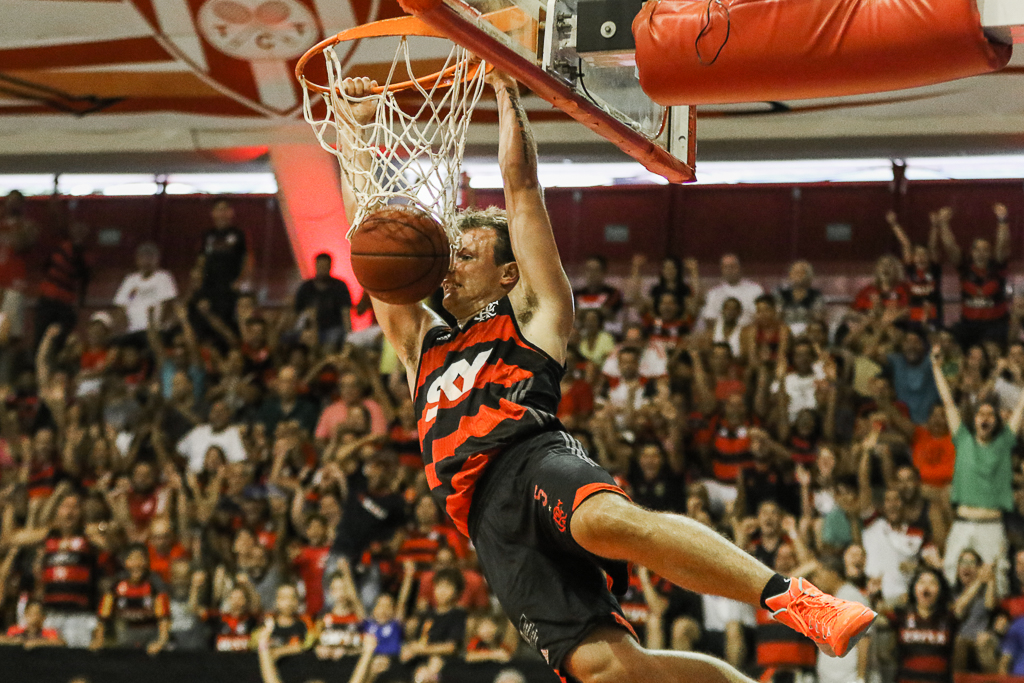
[
  {"x": 801, "y": 383},
  {"x": 733, "y": 286},
  {"x": 147, "y": 288},
  {"x": 217, "y": 432},
  {"x": 892, "y": 547}
]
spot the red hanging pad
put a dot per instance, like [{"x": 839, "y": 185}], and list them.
[{"x": 723, "y": 51}]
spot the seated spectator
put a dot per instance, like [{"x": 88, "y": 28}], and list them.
[
  {"x": 32, "y": 634},
  {"x": 233, "y": 627},
  {"x": 733, "y": 286},
  {"x": 326, "y": 301},
  {"x": 799, "y": 303},
  {"x": 339, "y": 631},
  {"x": 147, "y": 289},
  {"x": 487, "y": 643},
  {"x": 137, "y": 608},
  {"x": 218, "y": 432},
  {"x": 443, "y": 628},
  {"x": 292, "y": 631}
]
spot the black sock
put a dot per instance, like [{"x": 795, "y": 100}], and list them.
[{"x": 777, "y": 585}]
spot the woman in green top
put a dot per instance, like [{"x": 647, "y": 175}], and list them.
[{"x": 982, "y": 477}]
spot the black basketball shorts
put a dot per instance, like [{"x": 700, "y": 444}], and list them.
[{"x": 553, "y": 590}]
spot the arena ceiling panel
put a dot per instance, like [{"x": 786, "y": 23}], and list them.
[{"x": 172, "y": 76}]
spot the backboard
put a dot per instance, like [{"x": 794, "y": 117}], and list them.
[{"x": 598, "y": 85}]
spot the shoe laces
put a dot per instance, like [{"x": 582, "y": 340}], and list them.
[{"x": 822, "y": 608}]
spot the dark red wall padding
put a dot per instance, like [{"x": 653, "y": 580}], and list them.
[{"x": 802, "y": 49}]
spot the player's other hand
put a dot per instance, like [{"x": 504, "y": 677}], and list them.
[
  {"x": 499, "y": 79},
  {"x": 360, "y": 97}
]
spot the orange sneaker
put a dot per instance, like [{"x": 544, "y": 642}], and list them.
[{"x": 834, "y": 625}]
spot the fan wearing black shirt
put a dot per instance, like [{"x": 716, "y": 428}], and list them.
[
  {"x": 223, "y": 258},
  {"x": 443, "y": 629},
  {"x": 328, "y": 301}
]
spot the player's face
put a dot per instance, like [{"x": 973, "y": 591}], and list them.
[{"x": 474, "y": 279}]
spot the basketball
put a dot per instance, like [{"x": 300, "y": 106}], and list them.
[{"x": 400, "y": 254}]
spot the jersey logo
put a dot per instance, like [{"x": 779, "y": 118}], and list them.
[
  {"x": 446, "y": 383},
  {"x": 489, "y": 312}
]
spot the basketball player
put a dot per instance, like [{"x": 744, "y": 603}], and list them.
[{"x": 547, "y": 522}]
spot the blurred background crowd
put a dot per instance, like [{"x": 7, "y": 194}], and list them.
[{"x": 187, "y": 470}]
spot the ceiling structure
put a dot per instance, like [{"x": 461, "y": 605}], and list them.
[{"x": 129, "y": 84}]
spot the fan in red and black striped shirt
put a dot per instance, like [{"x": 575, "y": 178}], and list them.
[
  {"x": 137, "y": 606},
  {"x": 984, "y": 299},
  {"x": 925, "y": 631}
]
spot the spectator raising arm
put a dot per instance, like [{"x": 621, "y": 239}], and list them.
[{"x": 952, "y": 412}]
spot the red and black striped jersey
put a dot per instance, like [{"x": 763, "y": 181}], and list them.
[
  {"x": 983, "y": 292},
  {"x": 341, "y": 631},
  {"x": 730, "y": 451},
  {"x": 231, "y": 633},
  {"x": 780, "y": 647},
  {"x": 479, "y": 390},
  {"x": 924, "y": 647},
  {"x": 138, "y": 604},
  {"x": 69, "y": 573}
]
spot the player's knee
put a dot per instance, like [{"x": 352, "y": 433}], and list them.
[
  {"x": 605, "y": 521},
  {"x": 620, "y": 666}
]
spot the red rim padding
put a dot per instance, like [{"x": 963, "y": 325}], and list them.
[{"x": 803, "y": 49}]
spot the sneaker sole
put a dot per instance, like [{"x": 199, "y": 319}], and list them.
[{"x": 861, "y": 628}]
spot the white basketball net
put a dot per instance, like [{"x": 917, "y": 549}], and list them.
[{"x": 411, "y": 151}]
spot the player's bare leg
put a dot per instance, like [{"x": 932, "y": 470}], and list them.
[
  {"x": 694, "y": 557},
  {"x": 611, "y": 655}
]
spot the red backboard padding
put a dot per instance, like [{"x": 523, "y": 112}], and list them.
[{"x": 802, "y": 49}]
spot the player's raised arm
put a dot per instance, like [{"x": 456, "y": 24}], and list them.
[
  {"x": 404, "y": 326},
  {"x": 543, "y": 299}
]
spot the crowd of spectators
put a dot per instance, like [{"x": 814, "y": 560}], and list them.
[{"x": 185, "y": 470}]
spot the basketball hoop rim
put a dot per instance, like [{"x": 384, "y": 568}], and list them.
[{"x": 393, "y": 28}]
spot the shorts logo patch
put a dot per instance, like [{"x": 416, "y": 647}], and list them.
[
  {"x": 558, "y": 514},
  {"x": 544, "y": 653},
  {"x": 528, "y": 630},
  {"x": 538, "y": 494}
]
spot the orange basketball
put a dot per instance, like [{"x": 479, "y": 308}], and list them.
[{"x": 400, "y": 254}]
